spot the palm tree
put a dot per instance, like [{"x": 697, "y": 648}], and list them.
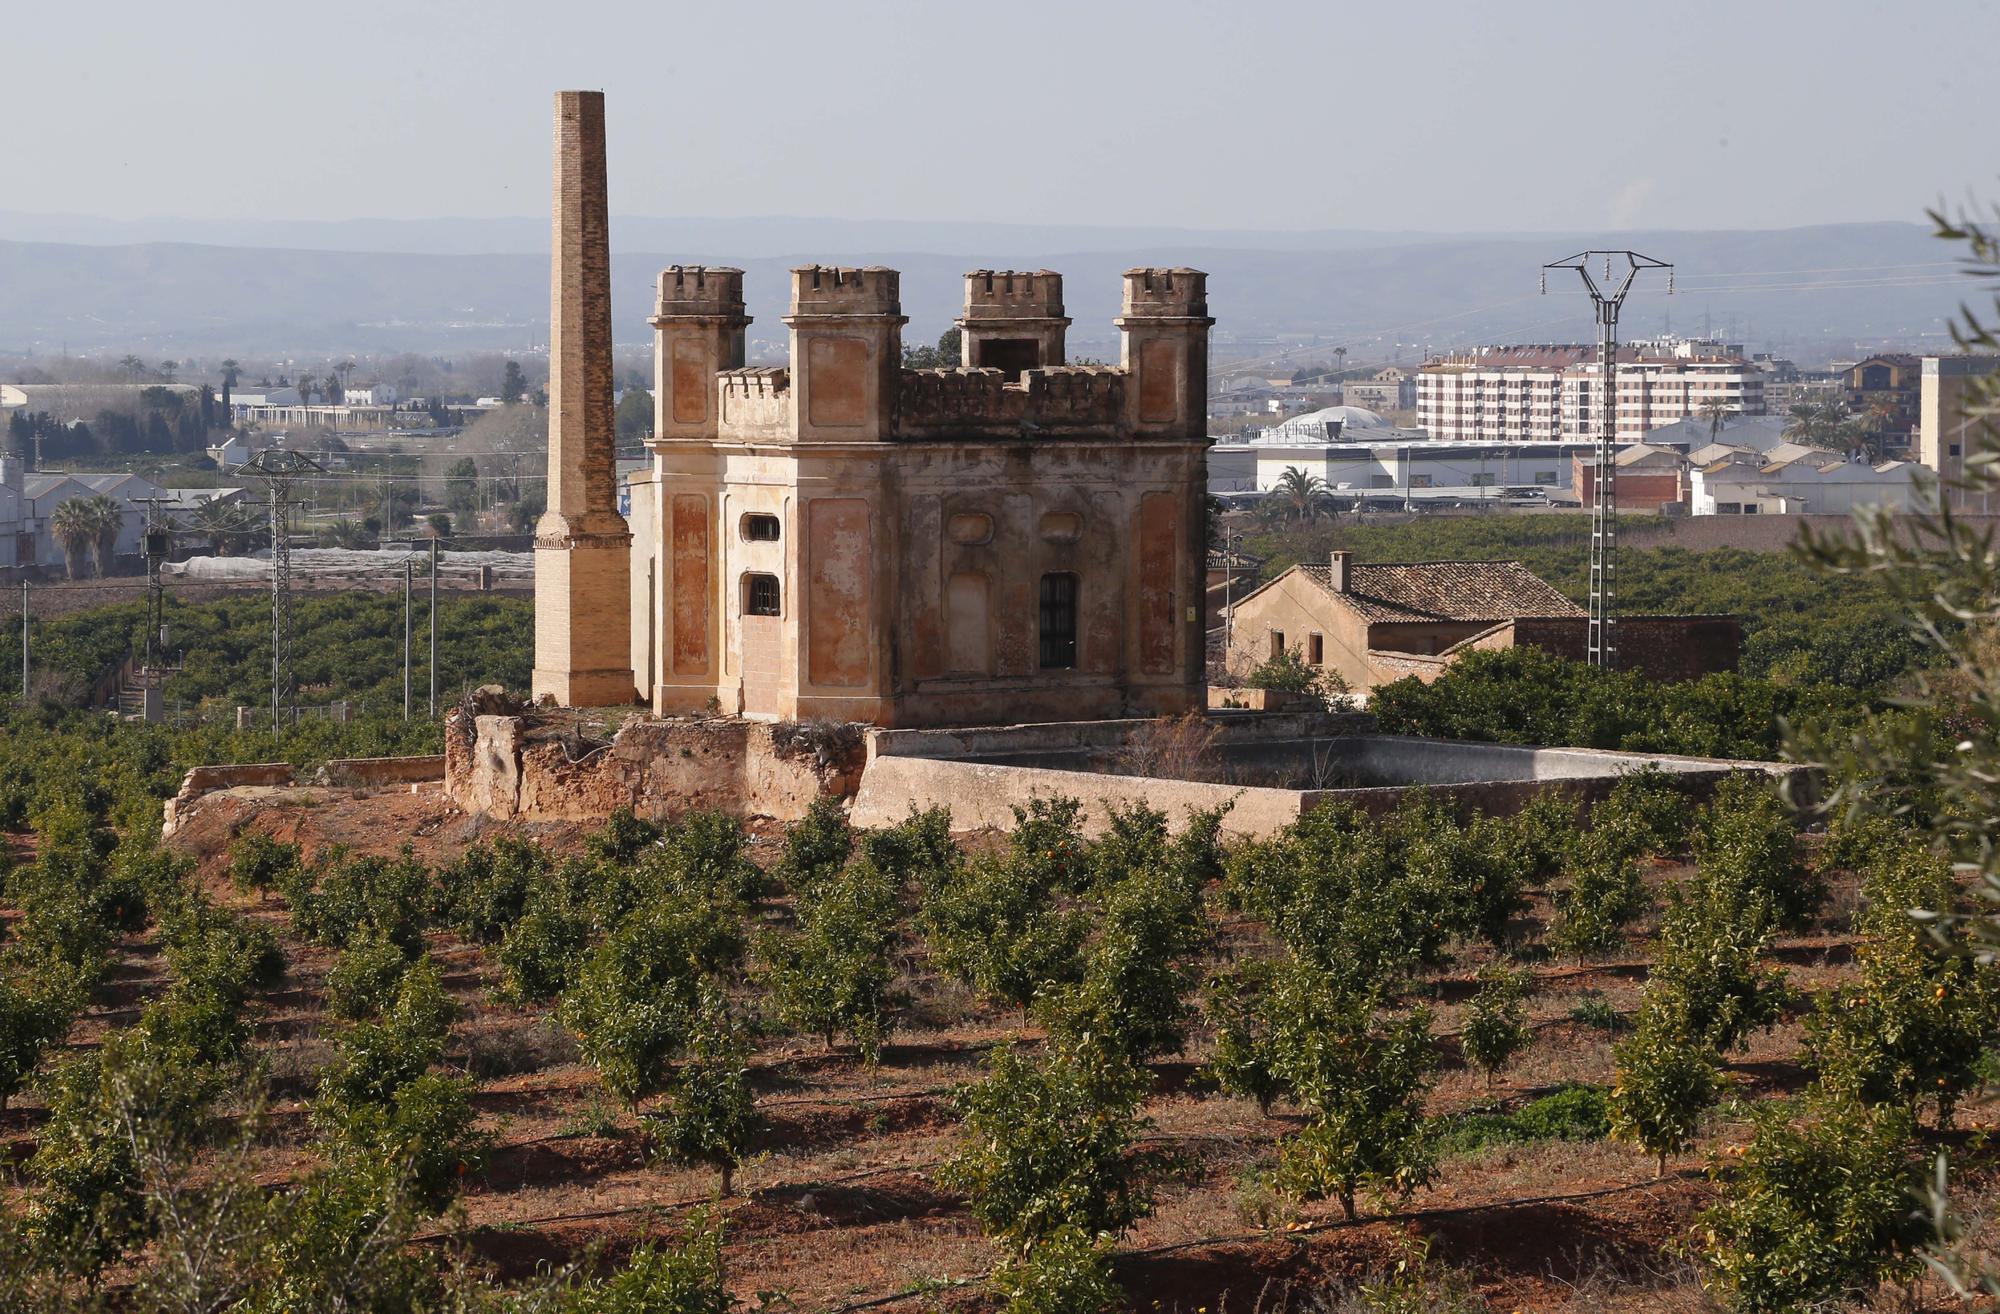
[
  {"x": 305, "y": 387},
  {"x": 1715, "y": 412},
  {"x": 1822, "y": 424},
  {"x": 1305, "y": 492},
  {"x": 223, "y": 526},
  {"x": 230, "y": 370},
  {"x": 107, "y": 522},
  {"x": 76, "y": 529}
]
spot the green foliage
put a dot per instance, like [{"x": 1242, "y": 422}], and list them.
[
  {"x": 687, "y": 1279},
  {"x": 1237, "y": 1004},
  {"x": 1667, "y": 1080},
  {"x": 1372, "y": 897},
  {"x": 1747, "y": 837},
  {"x": 1649, "y": 808},
  {"x": 996, "y": 921},
  {"x": 365, "y": 980},
  {"x": 105, "y": 1110},
  {"x": 1601, "y": 897},
  {"x": 1574, "y": 1113},
  {"x": 1917, "y": 1024},
  {"x": 382, "y": 1100},
  {"x": 1065, "y": 1272},
  {"x": 1047, "y": 1146},
  {"x": 633, "y": 1000},
  {"x": 1527, "y": 695},
  {"x": 623, "y": 837},
  {"x": 917, "y": 849},
  {"x": 544, "y": 949},
  {"x": 1496, "y": 1029},
  {"x": 342, "y": 895},
  {"x": 486, "y": 891},
  {"x": 708, "y": 1114},
  {"x": 834, "y": 974},
  {"x": 1047, "y": 847},
  {"x": 1287, "y": 671},
  {"x": 258, "y": 862},
  {"x": 1360, "y": 1076},
  {"x": 1132, "y": 1000},
  {"x": 1818, "y": 1208},
  {"x": 38, "y": 1002},
  {"x": 816, "y": 846}
]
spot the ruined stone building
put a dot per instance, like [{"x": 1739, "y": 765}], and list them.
[{"x": 1014, "y": 539}]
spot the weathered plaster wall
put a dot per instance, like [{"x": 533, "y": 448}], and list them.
[{"x": 519, "y": 767}]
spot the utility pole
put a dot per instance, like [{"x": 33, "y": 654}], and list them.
[
  {"x": 434, "y": 626},
  {"x": 158, "y": 541},
  {"x": 409, "y": 578},
  {"x": 1607, "y": 294},
  {"x": 24, "y": 641},
  {"x": 279, "y": 468}
]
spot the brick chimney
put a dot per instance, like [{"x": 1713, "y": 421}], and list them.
[{"x": 1339, "y": 570}]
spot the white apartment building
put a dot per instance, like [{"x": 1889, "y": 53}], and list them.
[{"x": 1548, "y": 393}]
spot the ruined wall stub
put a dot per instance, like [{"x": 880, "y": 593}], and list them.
[{"x": 583, "y": 560}]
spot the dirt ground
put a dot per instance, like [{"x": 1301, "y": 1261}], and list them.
[{"x": 839, "y": 1207}]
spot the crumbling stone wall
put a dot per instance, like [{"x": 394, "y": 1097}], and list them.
[{"x": 529, "y": 767}]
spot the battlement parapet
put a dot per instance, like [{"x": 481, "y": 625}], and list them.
[
  {"x": 838, "y": 290},
  {"x": 1010, "y": 294},
  {"x": 754, "y": 403},
  {"x": 755, "y": 381},
  {"x": 1166, "y": 294},
  {"x": 987, "y": 403},
  {"x": 700, "y": 291}
]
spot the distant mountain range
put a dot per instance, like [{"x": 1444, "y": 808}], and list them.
[{"x": 150, "y": 287}]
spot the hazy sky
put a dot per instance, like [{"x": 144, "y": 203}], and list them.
[{"x": 1260, "y": 113}]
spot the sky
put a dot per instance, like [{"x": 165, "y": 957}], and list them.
[{"x": 1274, "y": 114}]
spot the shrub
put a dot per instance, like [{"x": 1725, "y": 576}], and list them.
[
  {"x": 487, "y": 889},
  {"x": 545, "y": 948},
  {"x": 1649, "y": 810},
  {"x": 817, "y": 846},
  {"x": 1602, "y": 896},
  {"x": 364, "y": 980},
  {"x": 1707, "y": 980},
  {"x": 1361, "y": 1080},
  {"x": 623, "y": 837},
  {"x": 708, "y": 1114},
  {"x": 918, "y": 848},
  {"x": 1666, "y": 1083},
  {"x": 633, "y": 999},
  {"x": 1047, "y": 1146},
  {"x": 38, "y": 1002},
  {"x": 258, "y": 862},
  {"x": 1237, "y": 1004},
  {"x": 1747, "y": 836},
  {"x": 688, "y": 1279},
  {"x": 998, "y": 927},
  {"x": 1497, "y": 1027},
  {"x": 1133, "y": 996},
  {"x": 332, "y": 904},
  {"x": 1047, "y": 845},
  {"x": 1818, "y": 1208},
  {"x": 1066, "y": 1272},
  {"x": 834, "y": 975}
]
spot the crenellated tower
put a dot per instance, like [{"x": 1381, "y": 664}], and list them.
[
  {"x": 1164, "y": 330},
  {"x": 698, "y": 324},
  {"x": 1013, "y": 322},
  {"x": 847, "y": 352}
]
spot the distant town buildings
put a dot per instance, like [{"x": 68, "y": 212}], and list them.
[
  {"x": 1947, "y": 430},
  {"x": 1547, "y": 393}
]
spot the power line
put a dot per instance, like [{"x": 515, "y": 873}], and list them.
[{"x": 279, "y": 468}]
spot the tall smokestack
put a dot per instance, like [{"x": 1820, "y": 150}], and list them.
[{"x": 583, "y": 559}]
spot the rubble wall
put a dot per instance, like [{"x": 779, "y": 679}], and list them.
[{"x": 521, "y": 767}]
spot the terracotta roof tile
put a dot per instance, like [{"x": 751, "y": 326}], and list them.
[{"x": 1445, "y": 590}]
